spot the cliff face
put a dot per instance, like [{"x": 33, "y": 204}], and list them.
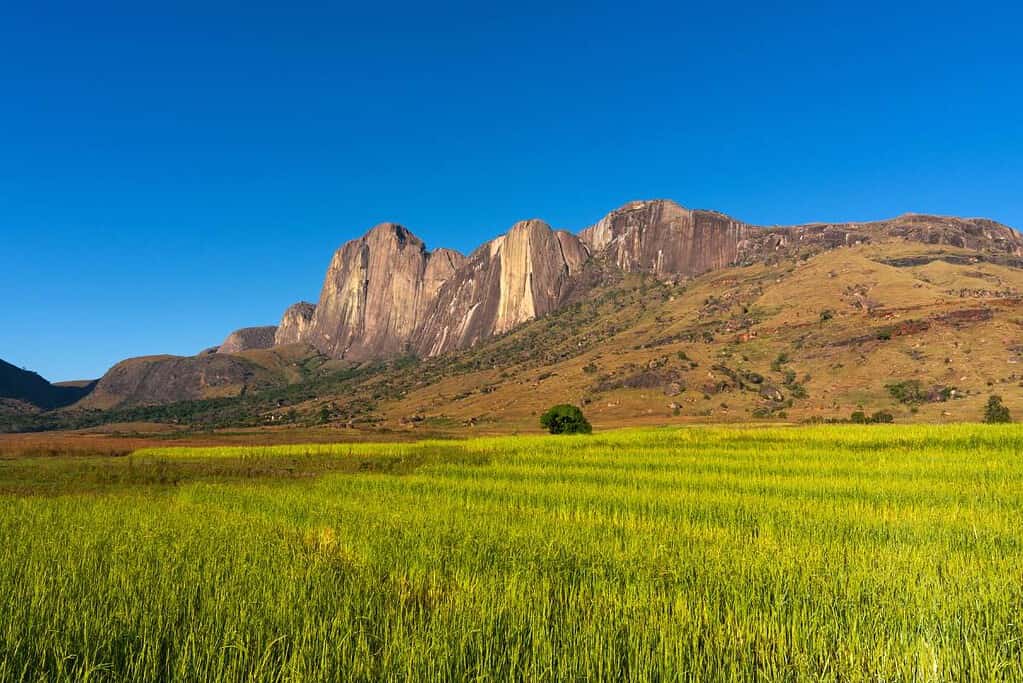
[
  {"x": 385, "y": 294},
  {"x": 295, "y": 323},
  {"x": 248, "y": 338},
  {"x": 509, "y": 280},
  {"x": 665, "y": 239},
  {"x": 375, "y": 292}
]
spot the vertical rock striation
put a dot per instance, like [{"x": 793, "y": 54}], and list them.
[
  {"x": 375, "y": 293},
  {"x": 384, "y": 294},
  {"x": 295, "y": 324},
  {"x": 665, "y": 239},
  {"x": 507, "y": 281}
]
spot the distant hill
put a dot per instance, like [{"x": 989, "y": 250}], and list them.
[{"x": 24, "y": 390}]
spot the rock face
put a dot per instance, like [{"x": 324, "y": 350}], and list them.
[
  {"x": 154, "y": 380},
  {"x": 665, "y": 239},
  {"x": 375, "y": 292},
  {"x": 386, "y": 295},
  {"x": 248, "y": 338},
  {"x": 509, "y": 280},
  {"x": 164, "y": 379},
  {"x": 977, "y": 234},
  {"x": 295, "y": 323}
]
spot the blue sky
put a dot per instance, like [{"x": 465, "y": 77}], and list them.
[{"x": 169, "y": 173}]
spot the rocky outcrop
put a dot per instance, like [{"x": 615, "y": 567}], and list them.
[
  {"x": 154, "y": 380},
  {"x": 248, "y": 338},
  {"x": 295, "y": 323},
  {"x": 514, "y": 278},
  {"x": 375, "y": 292},
  {"x": 386, "y": 295},
  {"x": 976, "y": 234},
  {"x": 665, "y": 239}
]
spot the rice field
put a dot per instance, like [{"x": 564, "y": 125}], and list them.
[{"x": 838, "y": 553}]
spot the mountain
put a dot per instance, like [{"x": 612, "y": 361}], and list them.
[
  {"x": 667, "y": 240},
  {"x": 249, "y": 338},
  {"x": 295, "y": 323},
  {"x": 149, "y": 380},
  {"x": 385, "y": 295},
  {"x": 375, "y": 292},
  {"x": 611, "y": 311},
  {"x": 25, "y": 391},
  {"x": 516, "y": 277}
]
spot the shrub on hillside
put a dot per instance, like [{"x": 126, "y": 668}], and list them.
[
  {"x": 565, "y": 419},
  {"x": 880, "y": 417},
  {"x": 909, "y": 391},
  {"x": 995, "y": 412}
]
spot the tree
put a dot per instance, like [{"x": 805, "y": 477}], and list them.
[
  {"x": 565, "y": 419},
  {"x": 995, "y": 412}
]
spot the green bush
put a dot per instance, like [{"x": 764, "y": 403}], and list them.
[
  {"x": 909, "y": 391},
  {"x": 565, "y": 419},
  {"x": 995, "y": 412},
  {"x": 880, "y": 417}
]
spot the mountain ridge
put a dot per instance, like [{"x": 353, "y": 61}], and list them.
[
  {"x": 497, "y": 287},
  {"x": 386, "y": 296}
]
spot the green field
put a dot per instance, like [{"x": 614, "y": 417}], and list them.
[{"x": 816, "y": 553}]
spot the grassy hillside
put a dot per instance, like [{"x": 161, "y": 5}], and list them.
[{"x": 814, "y": 553}]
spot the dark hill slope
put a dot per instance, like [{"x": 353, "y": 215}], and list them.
[{"x": 32, "y": 391}]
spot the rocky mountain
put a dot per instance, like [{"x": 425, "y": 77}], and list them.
[
  {"x": 150, "y": 380},
  {"x": 667, "y": 240},
  {"x": 248, "y": 338},
  {"x": 295, "y": 323},
  {"x": 386, "y": 296},
  {"x": 512, "y": 279},
  {"x": 375, "y": 292},
  {"x": 25, "y": 391}
]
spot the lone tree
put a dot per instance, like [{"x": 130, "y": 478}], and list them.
[
  {"x": 995, "y": 412},
  {"x": 565, "y": 419}
]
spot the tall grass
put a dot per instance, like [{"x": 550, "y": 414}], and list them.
[{"x": 823, "y": 553}]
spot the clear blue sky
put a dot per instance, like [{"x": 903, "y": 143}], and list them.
[{"x": 172, "y": 171}]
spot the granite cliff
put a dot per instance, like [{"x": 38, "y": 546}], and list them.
[
  {"x": 295, "y": 324},
  {"x": 512, "y": 279},
  {"x": 248, "y": 338},
  {"x": 385, "y": 295}
]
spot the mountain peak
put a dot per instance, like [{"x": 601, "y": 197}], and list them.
[{"x": 399, "y": 234}]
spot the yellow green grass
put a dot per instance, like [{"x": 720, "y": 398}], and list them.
[{"x": 817, "y": 553}]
